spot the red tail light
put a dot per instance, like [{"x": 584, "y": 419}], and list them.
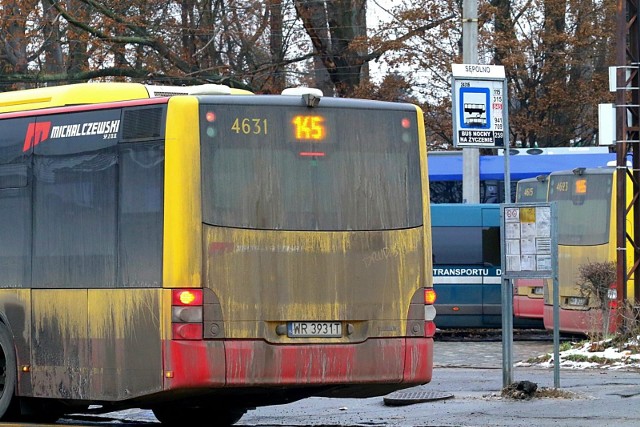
[
  {"x": 187, "y": 314},
  {"x": 186, "y": 331},
  {"x": 429, "y": 329},
  {"x": 612, "y": 296},
  {"x": 186, "y": 297},
  {"x": 429, "y": 312}
]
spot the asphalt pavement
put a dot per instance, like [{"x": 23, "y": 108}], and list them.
[{"x": 471, "y": 373}]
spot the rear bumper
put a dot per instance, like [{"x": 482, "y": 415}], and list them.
[
  {"x": 527, "y": 307},
  {"x": 253, "y": 363},
  {"x": 579, "y": 321}
]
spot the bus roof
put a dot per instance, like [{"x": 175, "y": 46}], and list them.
[
  {"x": 96, "y": 93},
  {"x": 59, "y": 96},
  {"x": 449, "y": 167}
]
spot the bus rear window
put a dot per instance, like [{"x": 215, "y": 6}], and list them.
[
  {"x": 466, "y": 245},
  {"x": 583, "y": 206},
  {"x": 295, "y": 168}
]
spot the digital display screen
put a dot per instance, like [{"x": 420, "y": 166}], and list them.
[
  {"x": 249, "y": 125},
  {"x": 578, "y": 189},
  {"x": 530, "y": 192},
  {"x": 308, "y": 127}
]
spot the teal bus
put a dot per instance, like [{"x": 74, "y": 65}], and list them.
[{"x": 467, "y": 273}]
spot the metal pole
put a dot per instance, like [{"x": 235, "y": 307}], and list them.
[
  {"x": 556, "y": 327},
  {"x": 470, "y": 156},
  {"x": 507, "y": 288},
  {"x": 621, "y": 155}
]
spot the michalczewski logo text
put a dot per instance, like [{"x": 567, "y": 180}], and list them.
[{"x": 41, "y": 131}]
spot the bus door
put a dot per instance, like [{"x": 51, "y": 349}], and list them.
[
  {"x": 492, "y": 296},
  {"x": 491, "y": 261}
]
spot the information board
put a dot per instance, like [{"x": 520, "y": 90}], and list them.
[{"x": 529, "y": 240}]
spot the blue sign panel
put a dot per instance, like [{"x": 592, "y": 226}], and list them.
[{"x": 475, "y": 111}]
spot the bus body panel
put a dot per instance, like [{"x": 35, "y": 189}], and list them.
[
  {"x": 468, "y": 296},
  {"x": 426, "y": 197},
  {"x": 194, "y": 364},
  {"x": 101, "y": 344},
  {"x": 263, "y": 280},
  {"x": 182, "y": 246},
  {"x": 15, "y": 311},
  {"x": 397, "y": 362},
  {"x": 572, "y": 318},
  {"x": 257, "y": 303},
  {"x": 578, "y": 321},
  {"x": 345, "y": 371},
  {"x": 528, "y": 302}
]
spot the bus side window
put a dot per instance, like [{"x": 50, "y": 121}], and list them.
[
  {"x": 491, "y": 255},
  {"x": 75, "y": 220},
  {"x": 140, "y": 215},
  {"x": 15, "y": 203}
]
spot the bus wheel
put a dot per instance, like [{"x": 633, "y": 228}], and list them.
[
  {"x": 199, "y": 416},
  {"x": 8, "y": 404}
]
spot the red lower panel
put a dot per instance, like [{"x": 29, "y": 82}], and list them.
[
  {"x": 194, "y": 364},
  {"x": 531, "y": 308},
  {"x": 375, "y": 360},
  {"x": 418, "y": 360},
  {"x": 255, "y": 363},
  {"x": 578, "y": 321}
]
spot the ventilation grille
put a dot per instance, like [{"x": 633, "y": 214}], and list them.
[
  {"x": 142, "y": 124},
  {"x": 166, "y": 93}
]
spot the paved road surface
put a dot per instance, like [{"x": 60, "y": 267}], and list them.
[{"x": 472, "y": 373}]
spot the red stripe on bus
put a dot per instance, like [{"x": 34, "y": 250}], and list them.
[
  {"x": 376, "y": 360},
  {"x": 195, "y": 364}
]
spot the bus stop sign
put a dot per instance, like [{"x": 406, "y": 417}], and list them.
[{"x": 479, "y": 99}]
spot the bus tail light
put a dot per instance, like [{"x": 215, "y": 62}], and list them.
[
  {"x": 429, "y": 312},
  {"x": 187, "y": 314},
  {"x": 429, "y": 296},
  {"x": 612, "y": 296},
  {"x": 429, "y": 329}
]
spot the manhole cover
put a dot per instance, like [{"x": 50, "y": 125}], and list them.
[{"x": 398, "y": 398}]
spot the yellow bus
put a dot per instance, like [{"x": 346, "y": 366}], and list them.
[
  {"x": 202, "y": 251},
  {"x": 586, "y": 207},
  {"x": 528, "y": 294}
]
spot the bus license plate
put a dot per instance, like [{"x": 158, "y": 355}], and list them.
[{"x": 314, "y": 329}]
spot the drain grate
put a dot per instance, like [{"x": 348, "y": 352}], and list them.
[{"x": 399, "y": 398}]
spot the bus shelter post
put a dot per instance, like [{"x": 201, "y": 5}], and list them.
[
  {"x": 556, "y": 318},
  {"x": 507, "y": 289},
  {"x": 507, "y": 332}
]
